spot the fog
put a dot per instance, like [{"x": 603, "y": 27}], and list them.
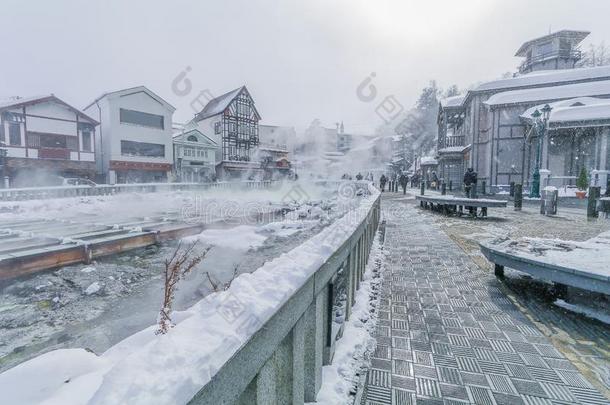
[{"x": 300, "y": 60}]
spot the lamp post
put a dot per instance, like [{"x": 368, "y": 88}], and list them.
[{"x": 540, "y": 125}]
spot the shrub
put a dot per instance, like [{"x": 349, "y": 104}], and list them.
[{"x": 582, "y": 182}]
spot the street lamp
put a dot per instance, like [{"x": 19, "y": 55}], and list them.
[{"x": 539, "y": 125}]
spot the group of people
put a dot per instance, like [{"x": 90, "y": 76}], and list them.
[
  {"x": 403, "y": 180},
  {"x": 470, "y": 180}
]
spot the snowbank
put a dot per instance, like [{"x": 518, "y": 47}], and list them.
[
  {"x": 591, "y": 256},
  {"x": 170, "y": 369}
]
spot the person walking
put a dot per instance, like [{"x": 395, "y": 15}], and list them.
[
  {"x": 470, "y": 180},
  {"x": 359, "y": 176},
  {"x": 382, "y": 181},
  {"x": 404, "y": 181},
  {"x": 434, "y": 181}
]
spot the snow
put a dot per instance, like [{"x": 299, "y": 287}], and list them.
[
  {"x": 588, "y": 312},
  {"x": 16, "y": 101},
  {"x": 597, "y": 88},
  {"x": 549, "y": 77},
  {"x": 454, "y": 101},
  {"x": 241, "y": 237},
  {"x": 428, "y": 160},
  {"x": 454, "y": 149},
  {"x": 169, "y": 369},
  {"x": 88, "y": 269},
  {"x": 93, "y": 288},
  {"x": 340, "y": 378},
  {"x": 579, "y": 109},
  {"x": 591, "y": 256}
]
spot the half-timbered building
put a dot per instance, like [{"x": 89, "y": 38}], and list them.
[{"x": 233, "y": 120}]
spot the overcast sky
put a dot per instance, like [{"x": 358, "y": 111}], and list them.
[{"x": 300, "y": 59}]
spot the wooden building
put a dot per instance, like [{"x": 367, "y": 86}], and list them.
[
  {"x": 484, "y": 125},
  {"x": 45, "y": 138}
]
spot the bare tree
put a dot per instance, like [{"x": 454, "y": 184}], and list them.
[
  {"x": 217, "y": 285},
  {"x": 596, "y": 55},
  {"x": 177, "y": 267}
]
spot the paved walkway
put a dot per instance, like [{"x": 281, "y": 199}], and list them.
[{"x": 448, "y": 335}]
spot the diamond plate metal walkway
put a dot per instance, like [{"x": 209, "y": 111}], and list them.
[{"x": 448, "y": 335}]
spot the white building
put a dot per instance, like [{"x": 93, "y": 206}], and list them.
[
  {"x": 194, "y": 156},
  {"x": 135, "y": 136},
  {"x": 44, "y": 137}
]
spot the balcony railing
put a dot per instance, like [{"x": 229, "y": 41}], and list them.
[
  {"x": 451, "y": 141},
  {"x": 562, "y": 53},
  {"x": 54, "y": 153}
]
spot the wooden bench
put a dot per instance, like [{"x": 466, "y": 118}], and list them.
[
  {"x": 448, "y": 204},
  {"x": 560, "y": 276}
]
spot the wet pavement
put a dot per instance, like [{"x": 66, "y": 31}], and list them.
[{"x": 450, "y": 333}]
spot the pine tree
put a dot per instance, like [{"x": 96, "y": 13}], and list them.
[{"x": 582, "y": 182}]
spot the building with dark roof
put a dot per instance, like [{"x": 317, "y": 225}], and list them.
[
  {"x": 44, "y": 137},
  {"x": 232, "y": 120}
]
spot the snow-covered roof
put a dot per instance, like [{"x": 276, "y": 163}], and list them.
[
  {"x": 219, "y": 104},
  {"x": 15, "y": 101},
  {"x": 428, "y": 160},
  {"x": 454, "y": 149},
  {"x": 597, "y": 88},
  {"x": 578, "y": 36},
  {"x": 547, "y": 77},
  {"x": 133, "y": 90},
  {"x": 182, "y": 137},
  {"x": 20, "y": 101},
  {"x": 454, "y": 101},
  {"x": 576, "y": 110}
]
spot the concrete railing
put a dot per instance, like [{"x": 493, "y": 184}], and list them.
[
  {"x": 39, "y": 193},
  {"x": 282, "y": 362}
]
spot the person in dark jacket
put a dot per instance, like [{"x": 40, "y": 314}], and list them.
[
  {"x": 434, "y": 179},
  {"x": 404, "y": 181},
  {"x": 470, "y": 180},
  {"x": 382, "y": 181},
  {"x": 359, "y": 176}
]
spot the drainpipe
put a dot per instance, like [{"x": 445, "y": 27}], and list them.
[{"x": 101, "y": 138}]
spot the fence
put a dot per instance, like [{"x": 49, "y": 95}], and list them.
[
  {"x": 37, "y": 193},
  {"x": 282, "y": 362}
]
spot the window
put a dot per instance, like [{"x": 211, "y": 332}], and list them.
[
  {"x": 86, "y": 135},
  {"x": 1, "y": 132},
  {"x": 131, "y": 148},
  {"x": 192, "y": 138},
  {"x": 14, "y": 133},
  {"x": 53, "y": 141},
  {"x": 141, "y": 118},
  {"x": 217, "y": 127}
]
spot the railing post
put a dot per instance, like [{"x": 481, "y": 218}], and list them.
[
  {"x": 265, "y": 384},
  {"x": 314, "y": 347}
]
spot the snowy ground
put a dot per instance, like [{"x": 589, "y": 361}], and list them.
[
  {"x": 145, "y": 368},
  {"x": 578, "y": 329},
  {"x": 97, "y": 305}
]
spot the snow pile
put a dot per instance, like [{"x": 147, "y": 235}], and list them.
[
  {"x": 170, "y": 369},
  {"x": 93, "y": 288},
  {"x": 591, "y": 256},
  {"x": 240, "y": 237},
  {"x": 341, "y": 378},
  {"x": 588, "y": 312}
]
